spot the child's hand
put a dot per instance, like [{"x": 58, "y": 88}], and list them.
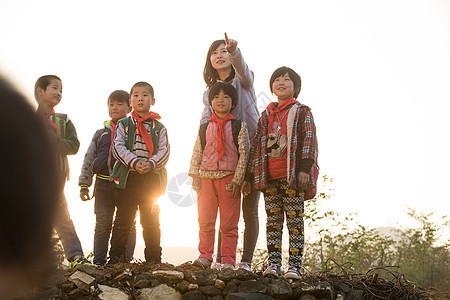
[
  {"x": 246, "y": 188},
  {"x": 147, "y": 167},
  {"x": 302, "y": 180},
  {"x": 231, "y": 45},
  {"x": 84, "y": 194},
  {"x": 234, "y": 189},
  {"x": 196, "y": 184},
  {"x": 141, "y": 167}
]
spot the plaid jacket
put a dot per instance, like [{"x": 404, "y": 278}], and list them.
[{"x": 301, "y": 144}]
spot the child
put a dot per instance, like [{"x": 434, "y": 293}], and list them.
[
  {"x": 48, "y": 93},
  {"x": 218, "y": 167},
  {"x": 98, "y": 160},
  {"x": 141, "y": 147},
  {"x": 283, "y": 152},
  {"x": 224, "y": 62}
]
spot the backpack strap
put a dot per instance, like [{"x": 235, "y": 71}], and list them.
[
  {"x": 61, "y": 120},
  {"x": 235, "y": 129},
  {"x": 202, "y": 134}
]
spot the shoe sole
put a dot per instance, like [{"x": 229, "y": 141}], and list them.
[{"x": 292, "y": 276}]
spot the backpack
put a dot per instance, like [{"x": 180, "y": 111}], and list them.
[{"x": 235, "y": 129}]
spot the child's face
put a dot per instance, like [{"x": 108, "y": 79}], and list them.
[
  {"x": 117, "y": 110},
  {"x": 141, "y": 100},
  {"x": 221, "y": 104},
  {"x": 219, "y": 58},
  {"x": 52, "y": 94},
  {"x": 283, "y": 87}
]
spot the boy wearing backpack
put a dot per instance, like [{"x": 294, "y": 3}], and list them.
[
  {"x": 48, "y": 93},
  {"x": 218, "y": 168}
]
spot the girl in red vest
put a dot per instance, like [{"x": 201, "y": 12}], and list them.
[{"x": 218, "y": 167}]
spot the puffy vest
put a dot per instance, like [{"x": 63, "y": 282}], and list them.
[{"x": 208, "y": 139}]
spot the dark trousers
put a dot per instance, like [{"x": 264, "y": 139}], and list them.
[
  {"x": 106, "y": 195},
  {"x": 141, "y": 192}
]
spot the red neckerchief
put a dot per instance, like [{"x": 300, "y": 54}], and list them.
[
  {"x": 273, "y": 109},
  {"x": 220, "y": 132},
  {"x": 112, "y": 136},
  {"x": 50, "y": 122},
  {"x": 142, "y": 131}
]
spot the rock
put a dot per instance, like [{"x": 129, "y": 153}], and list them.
[
  {"x": 109, "y": 293},
  {"x": 93, "y": 271},
  {"x": 308, "y": 297},
  {"x": 161, "y": 292},
  {"x": 248, "y": 296},
  {"x": 210, "y": 291},
  {"x": 192, "y": 287},
  {"x": 240, "y": 274},
  {"x": 340, "y": 296},
  {"x": 280, "y": 289},
  {"x": 194, "y": 295},
  {"x": 124, "y": 275},
  {"x": 169, "y": 276},
  {"x": 343, "y": 287},
  {"x": 183, "y": 286},
  {"x": 354, "y": 295},
  {"x": 82, "y": 280},
  {"x": 252, "y": 287},
  {"x": 217, "y": 297},
  {"x": 77, "y": 293},
  {"x": 67, "y": 287},
  {"x": 320, "y": 289},
  {"x": 219, "y": 284},
  {"x": 231, "y": 287},
  {"x": 201, "y": 277},
  {"x": 142, "y": 284}
]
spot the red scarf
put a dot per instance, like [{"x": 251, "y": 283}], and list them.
[
  {"x": 142, "y": 131},
  {"x": 220, "y": 132},
  {"x": 112, "y": 136},
  {"x": 273, "y": 109},
  {"x": 50, "y": 122}
]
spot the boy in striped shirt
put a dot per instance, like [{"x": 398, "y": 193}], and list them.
[{"x": 142, "y": 149}]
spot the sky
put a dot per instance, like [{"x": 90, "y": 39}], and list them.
[{"x": 375, "y": 73}]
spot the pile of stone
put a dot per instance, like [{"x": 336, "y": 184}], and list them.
[{"x": 163, "y": 281}]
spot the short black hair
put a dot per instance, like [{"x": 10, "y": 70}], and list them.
[
  {"x": 292, "y": 74},
  {"x": 43, "y": 82},
  {"x": 143, "y": 83},
  {"x": 227, "y": 89},
  {"x": 120, "y": 96}
]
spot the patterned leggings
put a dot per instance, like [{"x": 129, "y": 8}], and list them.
[{"x": 279, "y": 200}]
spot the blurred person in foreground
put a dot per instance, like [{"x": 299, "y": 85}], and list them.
[{"x": 29, "y": 195}]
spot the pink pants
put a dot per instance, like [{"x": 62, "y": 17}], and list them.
[{"x": 212, "y": 196}]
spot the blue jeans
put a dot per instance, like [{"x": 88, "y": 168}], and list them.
[
  {"x": 106, "y": 194},
  {"x": 141, "y": 191},
  {"x": 65, "y": 229}
]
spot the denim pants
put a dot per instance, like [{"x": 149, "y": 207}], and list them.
[
  {"x": 106, "y": 194},
  {"x": 142, "y": 191},
  {"x": 251, "y": 229},
  {"x": 65, "y": 229}
]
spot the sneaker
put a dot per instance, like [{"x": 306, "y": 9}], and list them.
[
  {"x": 216, "y": 266},
  {"x": 202, "y": 263},
  {"x": 245, "y": 266},
  {"x": 292, "y": 273},
  {"x": 227, "y": 266},
  {"x": 81, "y": 261},
  {"x": 273, "y": 269}
]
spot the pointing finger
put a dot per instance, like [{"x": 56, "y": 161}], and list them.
[{"x": 226, "y": 39}]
